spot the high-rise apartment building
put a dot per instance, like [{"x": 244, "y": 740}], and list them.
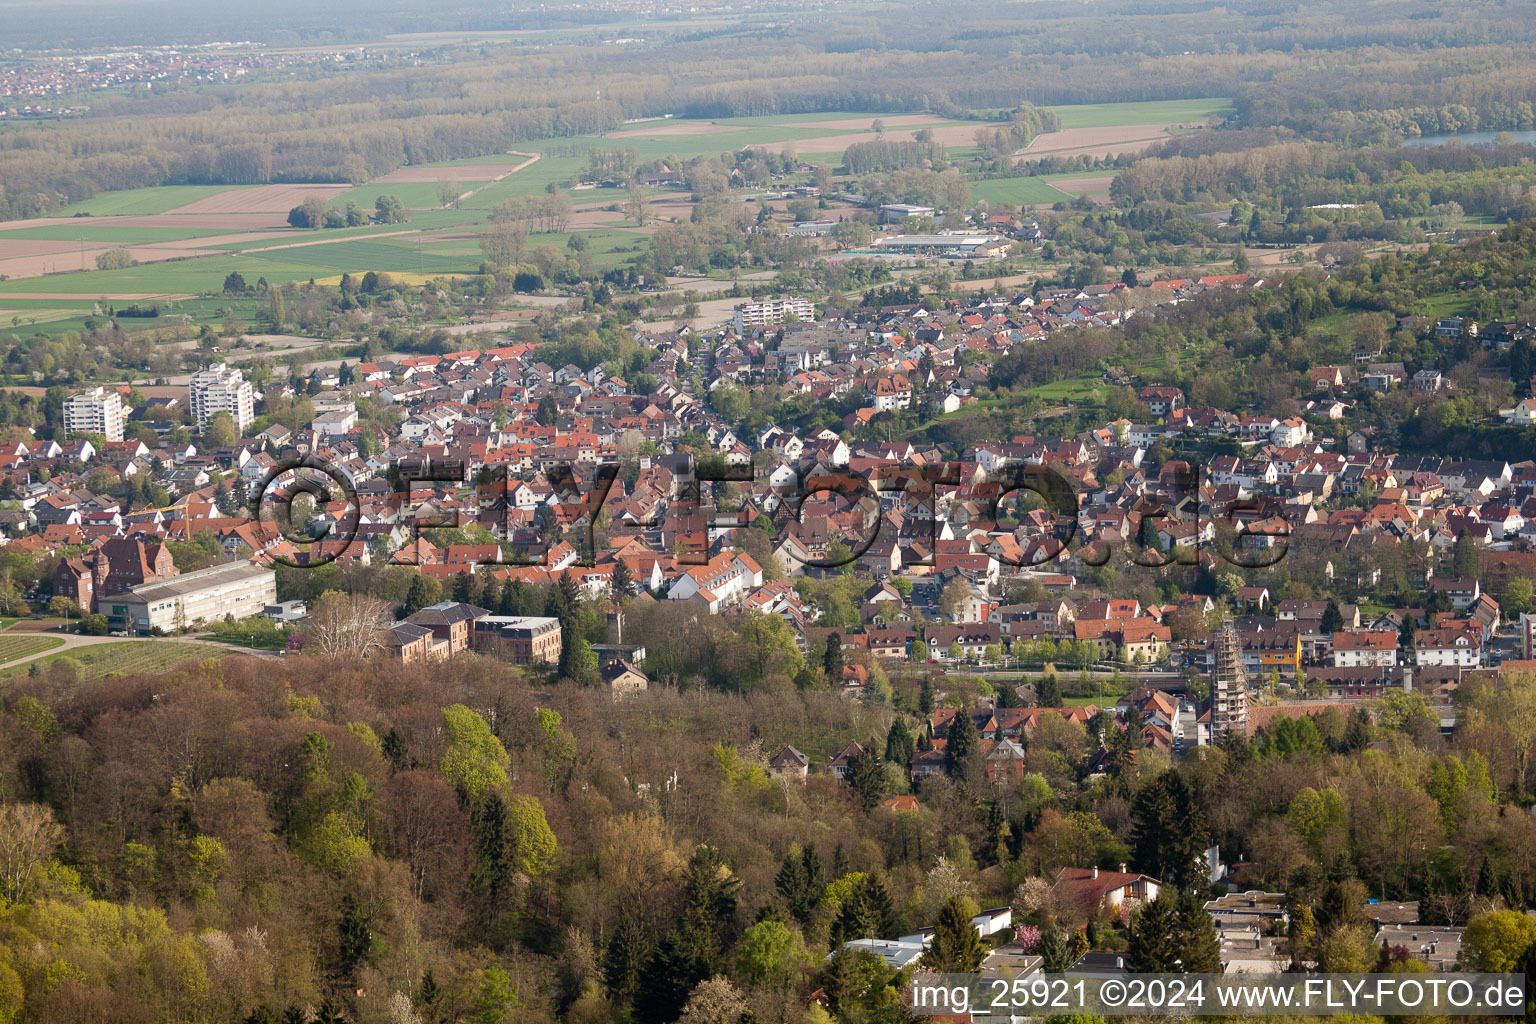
[
  {"x": 221, "y": 389},
  {"x": 97, "y": 411}
]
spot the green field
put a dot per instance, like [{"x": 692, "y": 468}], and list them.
[
  {"x": 22, "y": 645},
  {"x": 385, "y": 254},
  {"x": 891, "y": 120},
  {"x": 1109, "y": 115},
  {"x": 139, "y": 201},
  {"x": 416, "y": 195},
  {"x": 126, "y": 656},
  {"x": 189, "y": 276},
  {"x": 1023, "y": 191},
  {"x": 436, "y": 256}
]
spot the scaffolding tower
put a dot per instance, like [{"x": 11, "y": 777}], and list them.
[{"x": 1229, "y": 688}]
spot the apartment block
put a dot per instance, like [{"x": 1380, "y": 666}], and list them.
[
  {"x": 97, "y": 411},
  {"x": 752, "y": 316},
  {"x": 221, "y": 389}
]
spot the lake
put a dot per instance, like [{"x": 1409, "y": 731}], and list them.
[{"x": 1468, "y": 138}]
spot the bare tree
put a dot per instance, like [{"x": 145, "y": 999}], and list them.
[
  {"x": 504, "y": 242},
  {"x": 636, "y": 207},
  {"x": 28, "y": 836},
  {"x": 346, "y": 626}
]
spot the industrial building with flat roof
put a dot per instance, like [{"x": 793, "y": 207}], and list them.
[
  {"x": 236, "y": 589},
  {"x": 943, "y": 243}
]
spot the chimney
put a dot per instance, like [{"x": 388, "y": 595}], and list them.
[
  {"x": 1122, "y": 867},
  {"x": 1095, "y": 873}
]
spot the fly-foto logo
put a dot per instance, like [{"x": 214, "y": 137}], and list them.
[{"x": 825, "y": 519}]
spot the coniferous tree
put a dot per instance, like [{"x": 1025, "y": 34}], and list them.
[
  {"x": 1049, "y": 691},
  {"x": 1152, "y": 945},
  {"x": 866, "y": 777},
  {"x": 490, "y": 594},
  {"x": 355, "y": 938},
  {"x": 799, "y": 882},
  {"x": 423, "y": 593},
  {"x": 925, "y": 702},
  {"x": 867, "y": 913},
  {"x": 832, "y": 658},
  {"x": 1056, "y": 951},
  {"x": 429, "y": 991},
  {"x": 622, "y": 583},
  {"x": 1173, "y": 933},
  {"x": 1357, "y": 731},
  {"x": 899, "y": 744},
  {"x": 1197, "y": 937},
  {"x": 810, "y": 862},
  {"x": 1134, "y": 723},
  {"x": 694, "y": 949},
  {"x": 624, "y": 958},
  {"x": 394, "y": 749},
  {"x": 670, "y": 973},
  {"x": 957, "y": 947},
  {"x": 963, "y": 742},
  {"x": 512, "y": 595},
  {"x": 1169, "y": 835},
  {"x": 491, "y": 879}
]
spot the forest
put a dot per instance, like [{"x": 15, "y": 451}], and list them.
[{"x": 226, "y": 842}]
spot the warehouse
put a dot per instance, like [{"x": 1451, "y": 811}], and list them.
[{"x": 971, "y": 245}]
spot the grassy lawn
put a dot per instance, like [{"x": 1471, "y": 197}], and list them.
[
  {"x": 1082, "y": 390},
  {"x": 140, "y": 201},
  {"x": 1021, "y": 191},
  {"x": 1109, "y": 115},
  {"x": 1444, "y": 304},
  {"x": 126, "y": 656},
  {"x": 19, "y": 645}
]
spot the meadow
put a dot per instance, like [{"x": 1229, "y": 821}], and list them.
[
  {"x": 1113, "y": 115},
  {"x": 1020, "y": 191}
]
